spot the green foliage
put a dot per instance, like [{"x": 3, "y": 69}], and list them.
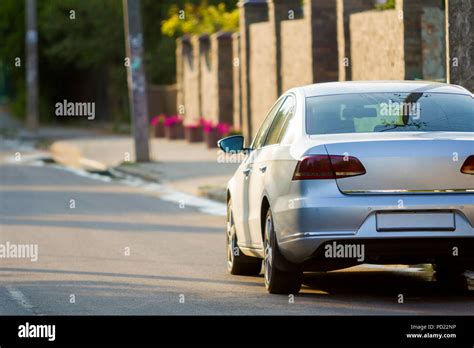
[
  {"x": 160, "y": 57},
  {"x": 92, "y": 39},
  {"x": 12, "y": 34},
  {"x": 200, "y": 19},
  {"x": 83, "y": 58},
  {"x": 12, "y": 30},
  {"x": 388, "y": 5},
  {"x": 79, "y": 58}
]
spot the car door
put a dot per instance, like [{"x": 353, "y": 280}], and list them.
[
  {"x": 263, "y": 167},
  {"x": 244, "y": 178}
]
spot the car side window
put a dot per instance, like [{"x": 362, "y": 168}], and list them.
[
  {"x": 280, "y": 122},
  {"x": 262, "y": 132}
]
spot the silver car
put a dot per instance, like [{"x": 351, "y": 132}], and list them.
[{"x": 345, "y": 173}]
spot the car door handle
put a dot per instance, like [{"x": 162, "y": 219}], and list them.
[
  {"x": 263, "y": 169},
  {"x": 246, "y": 171}
]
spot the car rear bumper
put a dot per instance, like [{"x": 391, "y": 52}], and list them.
[{"x": 315, "y": 218}]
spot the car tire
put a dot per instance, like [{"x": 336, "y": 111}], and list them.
[
  {"x": 237, "y": 262},
  {"x": 278, "y": 281}
]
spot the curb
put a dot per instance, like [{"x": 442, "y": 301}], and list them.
[
  {"x": 70, "y": 156},
  {"x": 218, "y": 194},
  {"x": 139, "y": 173}
]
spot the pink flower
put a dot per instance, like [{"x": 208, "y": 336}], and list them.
[
  {"x": 223, "y": 128},
  {"x": 172, "y": 120},
  {"x": 207, "y": 126},
  {"x": 157, "y": 119}
]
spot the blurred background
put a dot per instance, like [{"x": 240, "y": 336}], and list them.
[
  {"x": 225, "y": 62},
  {"x": 83, "y": 58}
]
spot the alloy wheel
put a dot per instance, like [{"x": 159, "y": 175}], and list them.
[{"x": 268, "y": 251}]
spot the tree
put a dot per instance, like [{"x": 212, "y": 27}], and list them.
[
  {"x": 200, "y": 19},
  {"x": 160, "y": 49},
  {"x": 81, "y": 49}
]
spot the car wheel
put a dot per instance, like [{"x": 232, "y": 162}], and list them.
[
  {"x": 237, "y": 262},
  {"x": 277, "y": 281}
]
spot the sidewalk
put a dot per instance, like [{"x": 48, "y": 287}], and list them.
[
  {"x": 11, "y": 127},
  {"x": 187, "y": 167}
]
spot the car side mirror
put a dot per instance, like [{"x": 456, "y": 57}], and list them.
[{"x": 232, "y": 144}]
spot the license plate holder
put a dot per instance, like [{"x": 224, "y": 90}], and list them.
[{"x": 415, "y": 221}]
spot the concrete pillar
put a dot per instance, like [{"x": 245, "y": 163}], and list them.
[
  {"x": 206, "y": 90},
  {"x": 191, "y": 79},
  {"x": 237, "y": 83},
  {"x": 222, "y": 74},
  {"x": 344, "y": 9},
  {"x": 412, "y": 13},
  {"x": 460, "y": 29},
  {"x": 179, "y": 76},
  {"x": 251, "y": 11},
  {"x": 278, "y": 11},
  {"x": 324, "y": 42}
]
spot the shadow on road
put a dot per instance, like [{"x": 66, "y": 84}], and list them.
[
  {"x": 111, "y": 226},
  {"x": 237, "y": 281},
  {"x": 379, "y": 284}
]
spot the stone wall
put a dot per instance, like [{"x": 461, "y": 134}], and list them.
[
  {"x": 191, "y": 79},
  {"x": 344, "y": 9},
  {"x": 296, "y": 62},
  {"x": 216, "y": 83},
  {"x": 410, "y": 39},
  {"x": 374, "y": 54},
  {"x": 287, "y": 43},
  {"x": 251, "y": 11},
  {"x": 263, "y": 84},
  {"x": 324, "y": 40},
  {"x": 179, "y": 76},
  {"x": 205, "y": 78},
  {"x": 207, "y": 90},
  {"x": 461, "y": 43},
  {"x": 412, "y": 17},
  {"x": 294, "y": 46},
  {"x": 237, "y": 83},
  {"x": 162, "y": 99},
  {"x": 222, "y": 73},
  {"x": 433, "y": 44}
]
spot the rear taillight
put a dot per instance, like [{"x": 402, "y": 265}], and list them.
[
  {"x": 327, "y": 167},
  {"x": 468, "y": 166}
]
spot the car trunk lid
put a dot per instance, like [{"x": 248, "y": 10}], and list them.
[{"x": 416, "y": 162}]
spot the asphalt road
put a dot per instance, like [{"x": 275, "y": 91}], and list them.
[{"x": 126, "y": 248}]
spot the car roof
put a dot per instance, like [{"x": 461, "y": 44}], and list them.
[{"x": 347, "y": 87}]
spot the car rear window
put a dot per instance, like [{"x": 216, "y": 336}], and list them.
[{"x": 389, "y": 112}]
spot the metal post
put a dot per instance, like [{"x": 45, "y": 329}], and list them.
[
  {"x": 136, "y": 78},
  {"x": 31, "y": 41}
]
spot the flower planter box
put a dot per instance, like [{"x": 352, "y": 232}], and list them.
[
  {"x": 193, "y": 134},
  {"x": 174, "y": 131},
  {"x": 158, "y": 126},
  {"x": 211, "y": 137},
  {"x": 159, "y": 130}
]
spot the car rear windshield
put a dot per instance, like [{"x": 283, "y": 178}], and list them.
[{"x": 389, "y": 112}]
